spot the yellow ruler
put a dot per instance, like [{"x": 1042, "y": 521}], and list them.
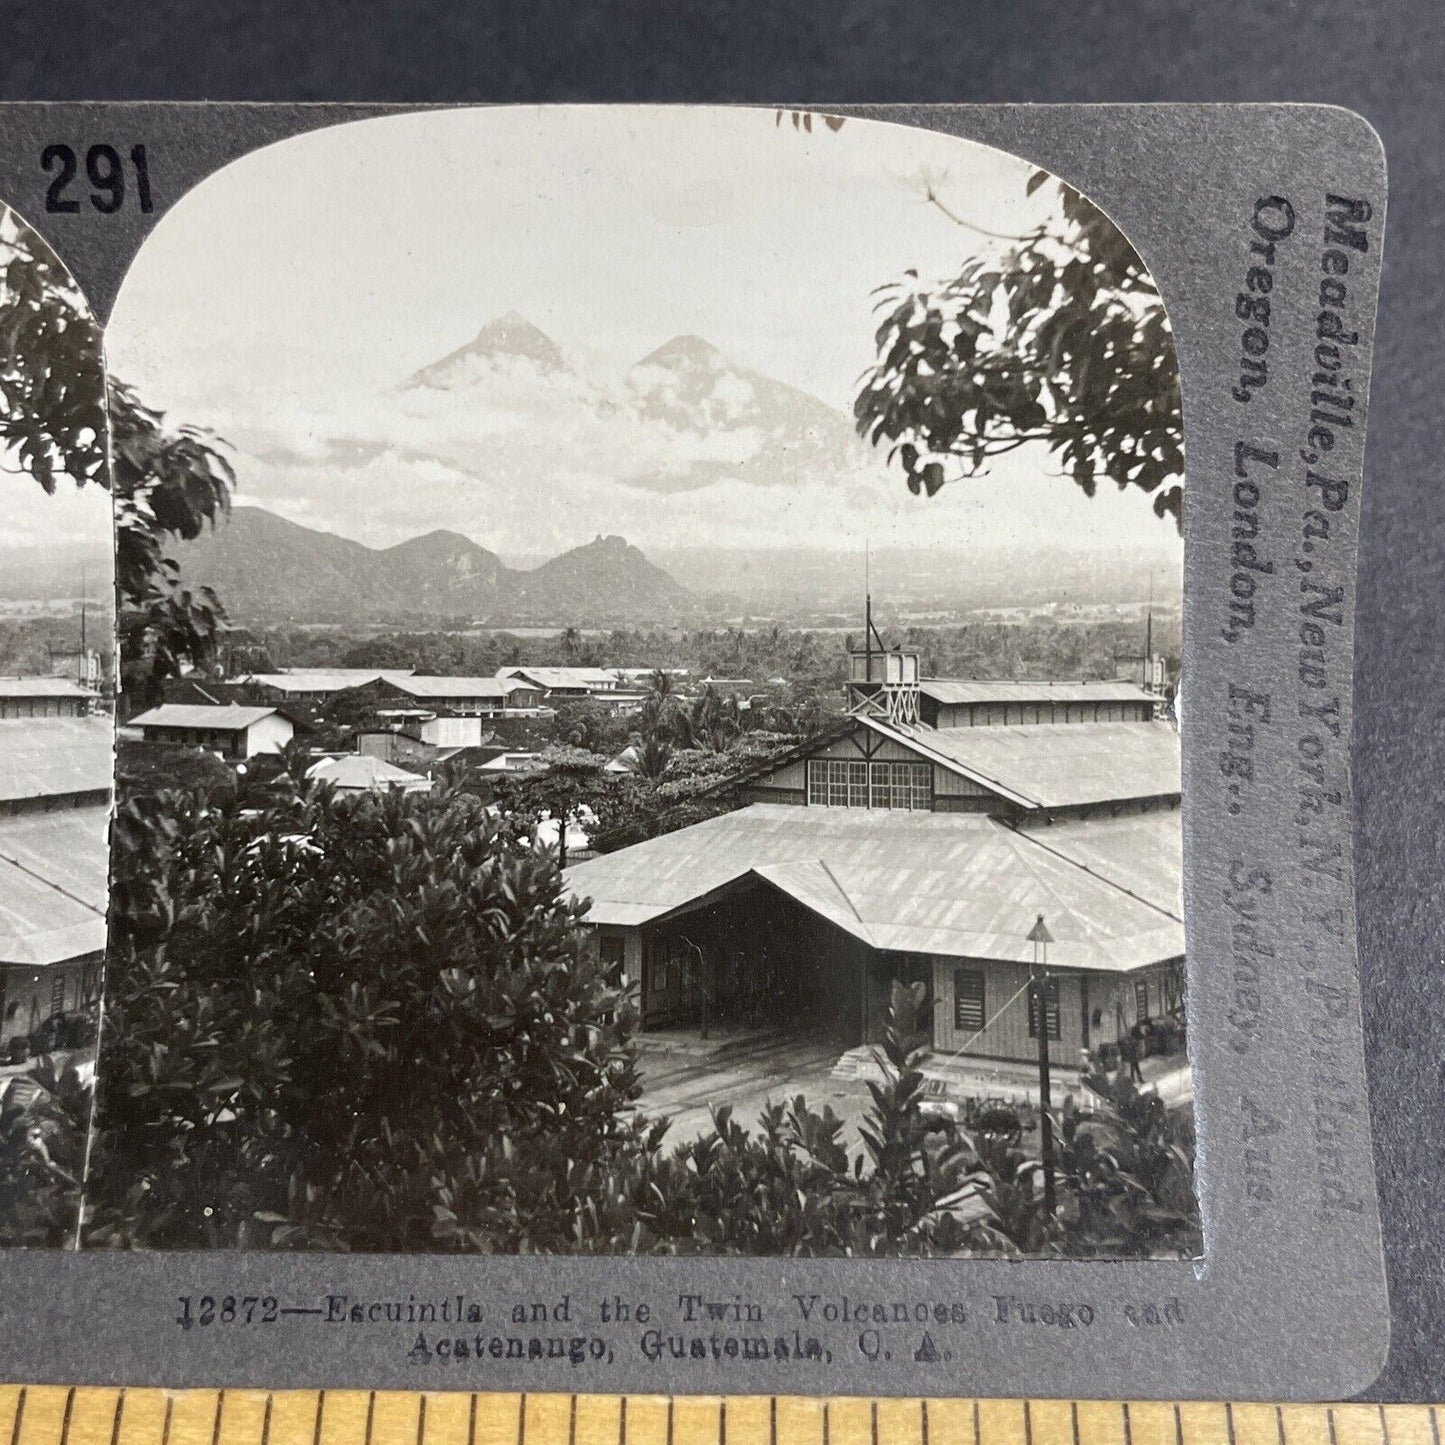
[{"x": 54, "y": 1415}]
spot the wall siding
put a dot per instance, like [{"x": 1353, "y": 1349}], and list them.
[{"x": 1007, "y": 1037}]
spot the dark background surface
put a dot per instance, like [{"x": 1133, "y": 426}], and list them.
[{"x": 1386, "y": 60}]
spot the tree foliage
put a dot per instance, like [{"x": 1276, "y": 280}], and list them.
[
  {"x": 376, "y": 1023},
  {"x": 1063, "y": 342},
  {"x": 166, "y": 482},
  {"x": 360, "y": 1023}
]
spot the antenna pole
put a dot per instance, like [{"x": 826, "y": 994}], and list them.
[
  {"x": 1149, "y": 635},
  {"x": 867, "y": 615}
]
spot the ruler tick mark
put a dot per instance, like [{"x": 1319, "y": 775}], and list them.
[
  {"x": 421, "y": 1420},
  {"x": 19, "y": 1416},
  {"x": 370, "y": 1414},
  {"x": 1128, "y": 1423},
  {"x": 1028, "y": 1425},
  {"x": 522, "y": 1419},
  {"x": 1279, "y": 1424},
  {"x": 1074, "y": 1419},
  {"x": 1434, "y": 1428},
  {"x": 1330, "y": 1417},
  {"x": 1229, "y": 1421},
  {"x": 472, "y": 1420},
  {"x": 115, "y": 1420},
  {"x": 1178, "y": 1427},
  {"x": 622, "y": 1421},
  {"x": 216, "y": 1424},
  {"x": 166, "y": 1424},
  {"x": 923, "y": 1421},
  {"x": 572, "y": 1421},
  {"x": 65, "y": 1419},
  {"x": 320, "y": 1407},
  {"x": 266, "y": 1420}
]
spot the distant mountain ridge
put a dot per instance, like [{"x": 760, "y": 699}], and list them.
[{"x": 267, "y": 569}]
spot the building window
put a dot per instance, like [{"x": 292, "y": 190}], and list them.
[
  {"x": 1051, "y": 1009},
  {"x": 1141, "y": 998},
  {"x": 611, "y": 953},
  {"x": 837, "y": 783},
  {"x": 968, "y": 1009},
  {"x": 843, "y": 783},
  {"x": 57, "y": 994},
  {"x": 902, "y": 785}
]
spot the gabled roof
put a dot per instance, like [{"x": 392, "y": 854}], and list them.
[
  {"x": 444, "y": 687},
  {"x": 326, "y": 679},
  {"x": 42, "y": 687},
  {"x": 231, "y": 719},
  {"x": 361, "y": 771},
  {"x": 559, "y": 677},
  {"x": 954, "y": 691},
  {"x": 53, "y": 883},
  {"x": 960, "y": 885},
  {"x": 47, "y": 757},
  {"x": 1054, "y": 765}
]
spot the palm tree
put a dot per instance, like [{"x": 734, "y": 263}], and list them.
[{"x": 653, "y": 755}]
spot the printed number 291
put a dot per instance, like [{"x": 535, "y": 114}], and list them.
[{"x": 106, "y": 173}]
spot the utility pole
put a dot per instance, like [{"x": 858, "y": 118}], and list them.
[{"x": 1040, "y": 937}]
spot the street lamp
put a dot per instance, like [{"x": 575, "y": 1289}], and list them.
[{"x": 1040, "y": 937}]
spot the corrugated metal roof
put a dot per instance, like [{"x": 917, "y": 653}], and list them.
[
  {"x": 326, "y": 679},
  {"x": 53, "y": 880},
  {"x": 956, "y": 884},
  {"x": 597, "y": 677},
  {"x": 1057, "y": 765},
  {"x": 961, "y": 690},
  {"x": 45, "y": 757},
  {"x": 1142, "y": 852},
  {"x": 42, "y": 687},
  {"x": 228, "y": 719},
  {"x": 416, "y": 686},
  {"x": 361, "y": 771}
]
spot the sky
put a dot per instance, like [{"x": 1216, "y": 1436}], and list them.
[{"x": 284, "y": 303}]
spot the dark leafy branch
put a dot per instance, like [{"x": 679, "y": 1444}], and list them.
[
  {"x": 167, "y": 483},
  {"x": 1062, "y": 343}
]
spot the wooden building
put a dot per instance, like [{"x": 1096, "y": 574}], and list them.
[
  {"x": 771, "y": 913},
  {"x": 1038, "y": 771},
  {"x": 55, "y": 790},
  {"x": 970, "y": 702},
  {"x": 462, "y": 696},
  {"x": 44, "y": 697},
  {"x": 234, "y": 732},
  {"x": 894, "y": 848}
]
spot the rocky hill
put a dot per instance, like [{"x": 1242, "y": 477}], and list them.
[{"x": 267, "y": 569}]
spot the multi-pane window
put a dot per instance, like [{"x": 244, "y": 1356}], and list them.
[
  {"x": 1051, "y": 1008},
  {"x": 57, "y": 993},
  {"x": 902, "y": 785},
  {"x": 1141, "y": 998},
  {"x": 846, "y": 783},
  {"x": 968, "y": 1010},
  {"x": 838, "y": 783}
]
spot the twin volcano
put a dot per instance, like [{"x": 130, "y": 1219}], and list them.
[{"x": 267, "y": 569}]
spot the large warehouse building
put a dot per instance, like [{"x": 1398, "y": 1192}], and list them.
[{"x": 890, "y": 849}]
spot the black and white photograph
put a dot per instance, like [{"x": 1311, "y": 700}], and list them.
[
  {"x": 648, "y": 710},
  {"x": 57, "y": 699}
]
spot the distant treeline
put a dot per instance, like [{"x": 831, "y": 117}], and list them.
[{"x": 1037, "y": 647}]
